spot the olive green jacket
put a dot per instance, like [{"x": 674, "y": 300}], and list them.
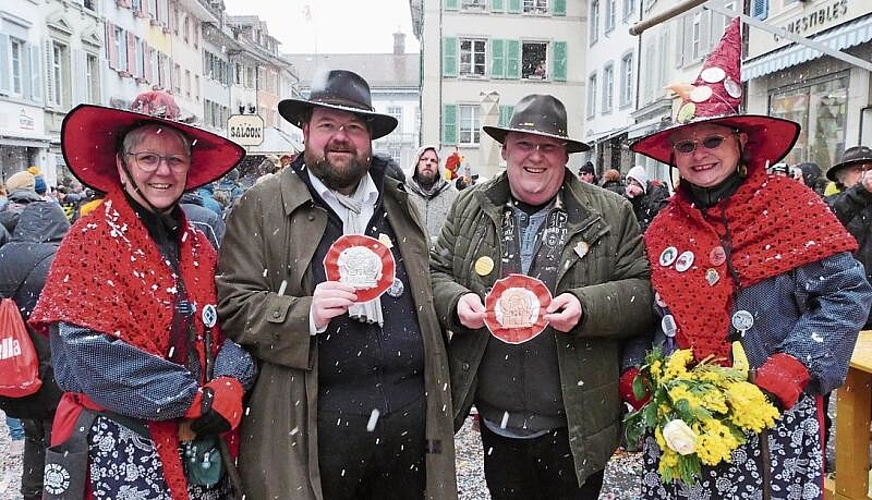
[
  {"x": 265, "y": 288},
  {"x": 603, "y": 264}
]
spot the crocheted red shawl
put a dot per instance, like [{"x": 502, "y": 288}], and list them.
[
  {"x": 768, "y": 221},
  {"x": 109, "y": 276}
]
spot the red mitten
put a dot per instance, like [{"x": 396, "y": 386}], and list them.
[
  {"x": 625, "y": 387},
  {"x": 783, "y": 376},
  {"x": 220, "y": 399}
]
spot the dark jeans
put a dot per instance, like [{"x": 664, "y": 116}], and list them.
[
  {"x": 386, "y": 463},
  {"x": 37, "y": 437},
  {"x": 531, "y": 469}
]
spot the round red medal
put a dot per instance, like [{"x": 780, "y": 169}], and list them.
[
  {"x": 362, "y": 262},
  {"x": 515, "y": 308}
]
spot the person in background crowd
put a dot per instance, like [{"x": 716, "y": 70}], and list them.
[
  {"x": 207, "y": 194},
  {"x": 3, "y": 198},
  {"x": 24, "y": 266},
  {"x": 153, "y": 390},
  {"x": 353, "y": 399},
  {"x": 39, "y": 185},
  {"x": 780, "y": 169},
  {"x": 202, "y": 218},
  {"x": 811, "y": 177},
  {"x": 21, "y": 188},
  {"x": 543, "y": 437},
  {"x": 229, "y": 185},
  {"x": 285, "y": 161},
  {"x": 429, "y": 190},
  {"x": 613, "y": 182},
  {"x": 587, "y": 173},
  {"x": 647, "y": 197},
  {"x": 730, "y": 263}
]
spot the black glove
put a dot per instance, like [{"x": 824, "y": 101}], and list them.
[{"x": 210, "y": 423}]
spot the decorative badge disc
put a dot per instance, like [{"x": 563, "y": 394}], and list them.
[
  {"x": 363, "y": 262},
  {"x": 515, "y": 308}
]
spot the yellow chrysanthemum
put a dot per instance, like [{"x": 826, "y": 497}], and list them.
[
  {"x": 751, "y": 410},
  {"x": 676, "y": 365}
]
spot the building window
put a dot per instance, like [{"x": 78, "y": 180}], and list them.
[
  {"x": 188, "y": 83},
  {"x": 16, "y": 61},
  {"x": 591, "y": 95},
  {"x": 197, "y": 87},
  {"x": 649, "y": 73},
  {"x": 820, "y": 107},
  {"x": 696, "y": 36},
  {"x": 396, "y": 112},
  {"x": 395, "y": 153},
  {"x": 472, "y": 57},
  {"x": 535, "y": 6},
  {"x": 629, "y": 8},
  {"x": 121, "y": 48},
  {"x": 59, "y": 74},
  {"x": 139, "y": 61},
  {"x": 177, "y": 79},
  {"x": 608, "y": 87},
  {"x": 611, "y": 5},
  {"x": 534, "y": 60},
  {"x": 627, "y": 72},
  {"x": 474, "y": 5},
  {"x": 594, "y": 21},
  {"x": 470, "y": 131},
  {"x": 92, "y": 79}
]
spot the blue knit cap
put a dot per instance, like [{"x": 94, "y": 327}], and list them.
[{"x": 39, "y": 185}]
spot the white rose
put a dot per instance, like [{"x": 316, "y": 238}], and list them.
[{"x": 679, "y": 437}]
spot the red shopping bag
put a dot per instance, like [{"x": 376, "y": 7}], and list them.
[{"x": 19, "y": 363}]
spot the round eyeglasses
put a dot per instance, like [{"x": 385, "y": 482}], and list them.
[{"x": 149, "y": 162}]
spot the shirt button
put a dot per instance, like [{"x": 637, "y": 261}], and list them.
[
  {"x": 311, "y": 217},
  {"x": 276, "y": 314},
  {"x": 466, "y": 366}
]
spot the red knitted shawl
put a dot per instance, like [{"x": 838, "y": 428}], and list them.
[
  {"x": 768, "y": 221},
  {"x": 109, "y": 276}
]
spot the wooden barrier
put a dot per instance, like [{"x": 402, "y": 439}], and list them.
[{"x": 853, "y": 412}]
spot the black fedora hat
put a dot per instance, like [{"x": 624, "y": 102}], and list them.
[
  {"x": 341, "y": 90},
  {"x": 538, "y": 114},
  {"x": 851, "y": 156}
]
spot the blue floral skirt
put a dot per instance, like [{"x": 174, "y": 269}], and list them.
[
  {"x": 125, "y": 466},
  {"x": 796, "y": 464}
]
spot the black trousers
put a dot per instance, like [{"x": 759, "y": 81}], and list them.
[
  {"x": 531, "y": 469},
  {"x": 386, "y": 463},
  {"x": 37, "y": 437}
]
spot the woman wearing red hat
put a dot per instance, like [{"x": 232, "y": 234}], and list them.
[
  {"x": 729, "y": 262},
  {"x": 153, "y": 391}
]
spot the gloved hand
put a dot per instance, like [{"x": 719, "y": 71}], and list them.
[
  {"x": 218, "y": 408},
  {"x": 783, "y": 377},
  {"x": 625, "y": 386}
]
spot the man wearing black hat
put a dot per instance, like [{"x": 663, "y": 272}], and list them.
[
  {"x": 587, "y": 173},
  {"x": 853, "y": 204},
  {"x": 353, "y": 399},
  {"x": 549, "y": 401}
]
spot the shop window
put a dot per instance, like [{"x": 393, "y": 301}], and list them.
[
  {"x": 472, "y": 57},
  {"x": 821, "y": 110},
  {"x": 534, "y": 61},
  {"x": 469, "y": 128},
  {"x": 535, "y": 6}
]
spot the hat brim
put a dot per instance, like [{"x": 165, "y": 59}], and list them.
[
  {"x": 768, "y": 138},
  {"x": 499, "y": 134},
  {"x": 831, "y": 173},
  {"x": 296, "y": 110},
  {"x": 90, "y": 137}
]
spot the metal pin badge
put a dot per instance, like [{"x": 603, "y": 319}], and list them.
[
  {"x": 684, "y": 261},
  {"x": 669, "y": 326},
  {"x": 581, "y": 249},
  {"x": 210, "y": 315},
  {"x": 717, "y": 256},
  {"x": 668, "y": 256},
  {"x": 742, "y": 321},
  {"x": 484, "y": 266},
  {"x": 712, "y": 276},
  {"x": 385, "y": 240}
]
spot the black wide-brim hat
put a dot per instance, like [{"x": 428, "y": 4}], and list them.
[
  {"x": 91, "y": 136},
  {"x": 851, "y": 156},
  {"x": 541, "y": 115},
  {"x": 341, "y": 90}
]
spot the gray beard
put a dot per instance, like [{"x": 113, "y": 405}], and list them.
[{"x": 335, "y": 178}]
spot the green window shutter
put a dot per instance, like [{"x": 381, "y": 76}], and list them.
[
  {"x": 515, "y": 6},
  {"x": 559, "y": 56},
  {"x": 498, "y": 6},
  {"x": 449, "y": 56},
  {"x": 450, "y": 4},
  {"x": 449, "y": 124},
  {"x": 513, "y": 56},
  {"x": 498, "y": 59},
  {"x": 505, "y": 115},
  {"x": 559, "y": 8}
]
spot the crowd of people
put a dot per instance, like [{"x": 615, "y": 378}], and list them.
[{"x": 323, "y": 331}]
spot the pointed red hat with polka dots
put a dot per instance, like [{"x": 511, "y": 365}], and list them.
[{"x": 715, "y": 97}]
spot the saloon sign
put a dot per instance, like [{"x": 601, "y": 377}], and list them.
[{"x": 245, "y": 130}]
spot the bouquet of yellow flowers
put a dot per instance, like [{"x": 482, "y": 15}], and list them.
[{"x": 698, "y": 413}]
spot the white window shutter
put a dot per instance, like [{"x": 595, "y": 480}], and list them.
[
  {"x": 49, "y": 76},
  {"x": 5, "y": 68},
  {"x": 35, "y": 72},
  {"x": 80, "y": 77}
]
